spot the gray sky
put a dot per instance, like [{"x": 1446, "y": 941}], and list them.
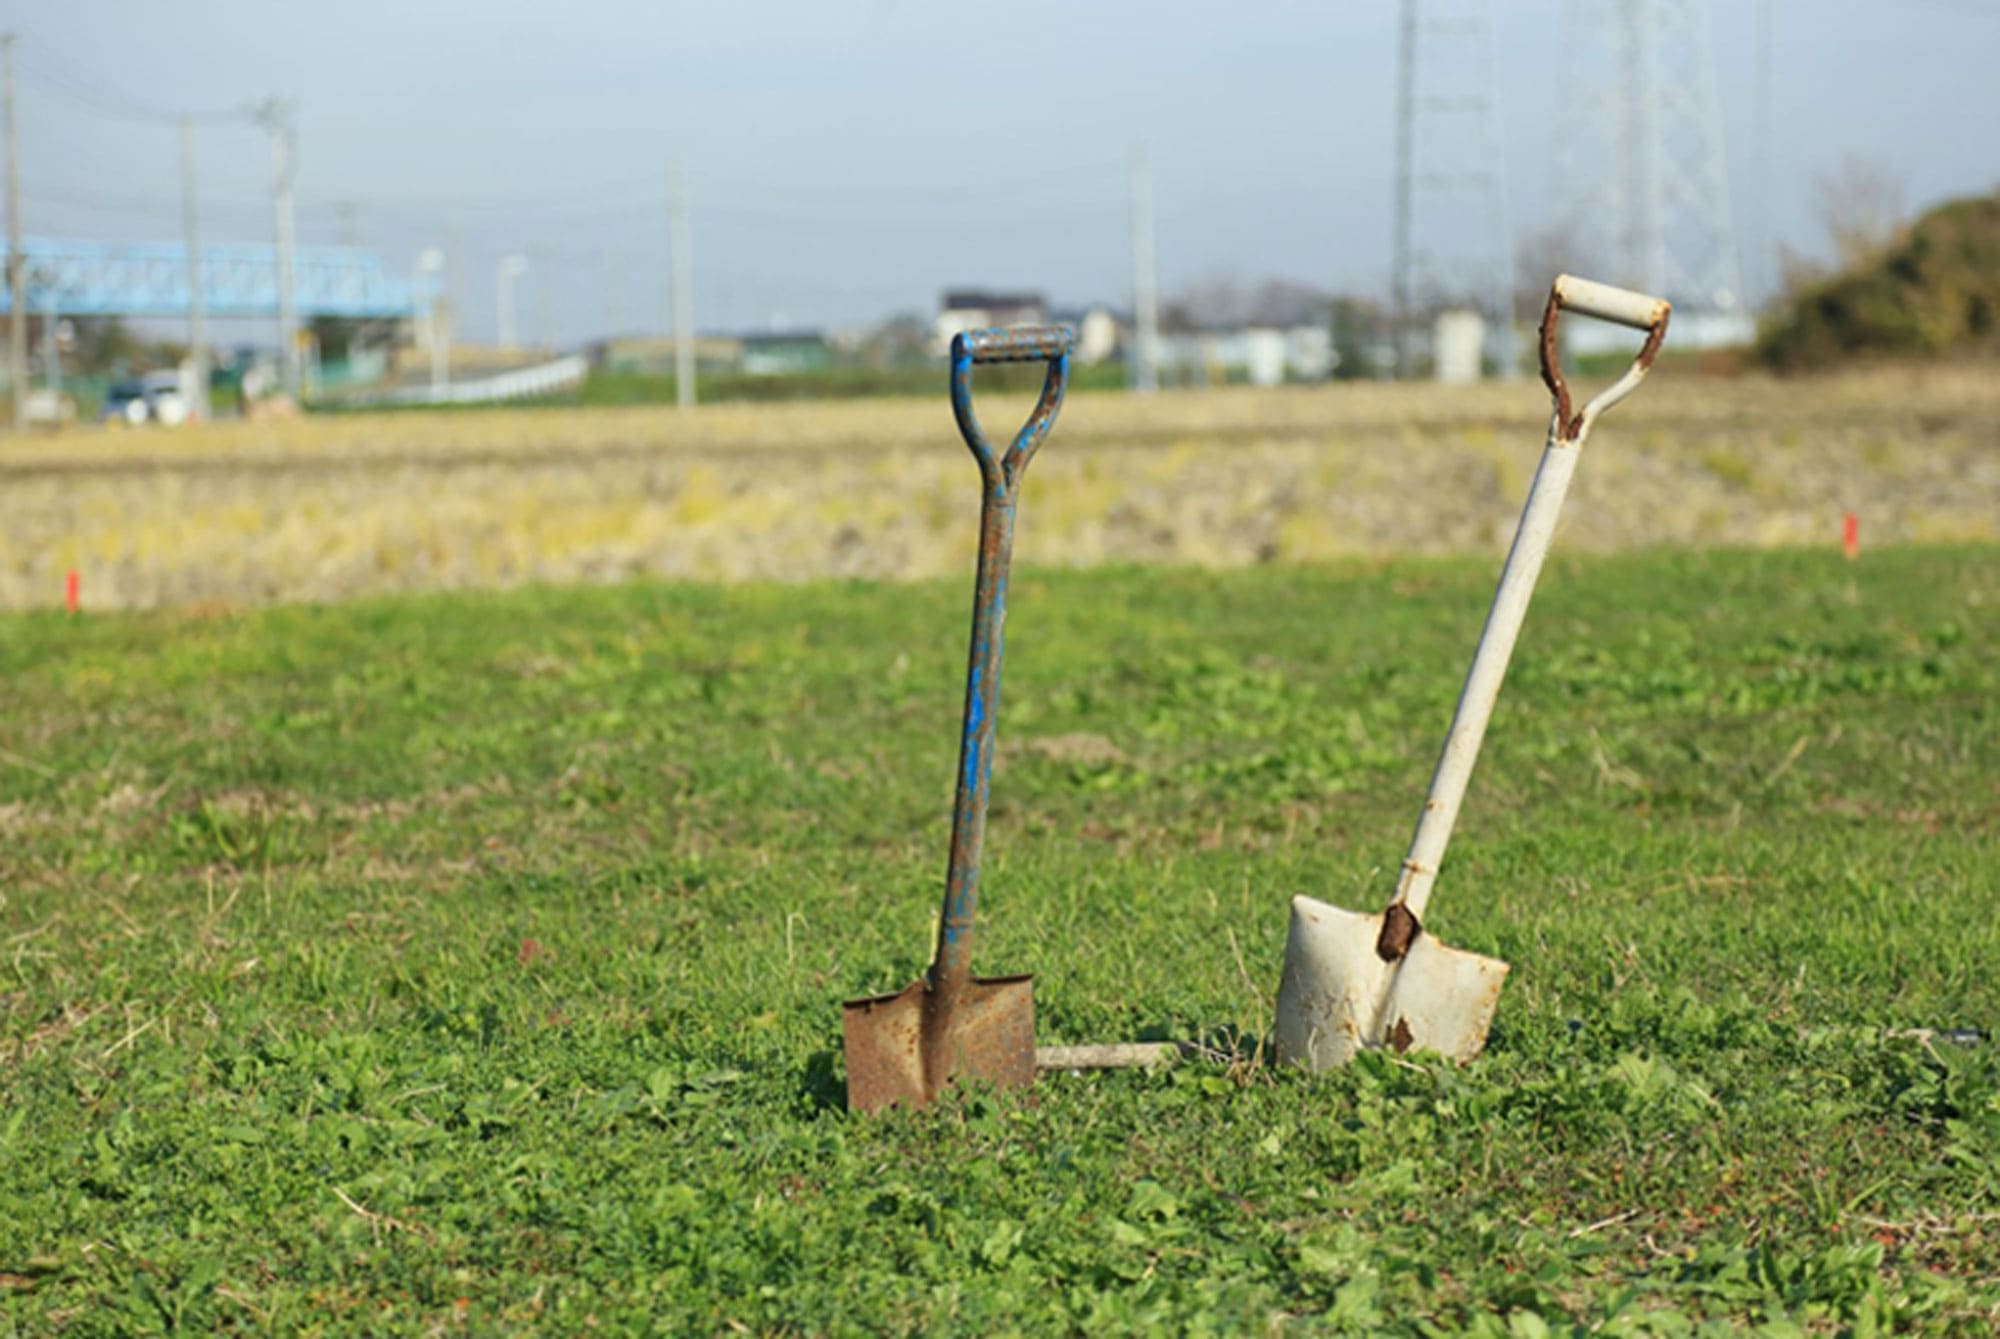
[{"x": 848, "y": 160}]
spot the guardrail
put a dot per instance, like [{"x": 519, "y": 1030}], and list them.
[{"x": 519, "y": 384}]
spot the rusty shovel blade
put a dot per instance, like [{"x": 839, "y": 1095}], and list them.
[
  {"x": 905, "y": 1049},
  {"x": 1338, "y": 996}
]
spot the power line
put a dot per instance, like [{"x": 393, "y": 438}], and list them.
[
  {"x": 625, "y": 188},
  {"x": 1111, "y": 211},
  {"x": 1061, "y": 176},
  {"x": 1984, "y": 9},
  {"x": 53, "y": 73},
  {"x": 84, "y": 197},
  {"x": 612, "y": 193},
  {"x": 129, "y": 204}
]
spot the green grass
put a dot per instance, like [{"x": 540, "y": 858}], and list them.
[
  {"x": 479, "y": 959},
  {"x": 620, "y": 387}
]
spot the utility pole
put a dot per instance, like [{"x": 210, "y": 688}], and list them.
[
  {"x": 1759, "y": 277},
  {"x": 431, "y": 261},
  {"x": 1145, "y": 370},
  {"x": 677, "y": 228},
  {"x": 454, "y": 289},
  {"x": 197, "y": 299},
  {"x": 507, "y": 333},
  {"x": 1403, "y": 260},
  {"x": 17, "y": 262},
  {"x": 276, "y": 116},
  {"x": 541, "y": 267},
  {"x": 52, "y": 354},
  {"x": 614, "y": 295}
]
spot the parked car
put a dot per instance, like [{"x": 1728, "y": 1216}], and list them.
[{"x": 153, "y": 398}]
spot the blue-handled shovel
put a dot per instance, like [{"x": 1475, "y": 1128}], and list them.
[{"x": 904, "y": 1049}]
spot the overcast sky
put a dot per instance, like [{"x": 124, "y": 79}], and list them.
[{"x": 851, "y": 159}]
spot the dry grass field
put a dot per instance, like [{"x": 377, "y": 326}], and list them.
[{"x": 331, "y": 507}]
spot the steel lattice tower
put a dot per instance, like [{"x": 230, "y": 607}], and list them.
[
  {"x": 1642, "y": 151},
  {"x": 1454, "y": 242}
]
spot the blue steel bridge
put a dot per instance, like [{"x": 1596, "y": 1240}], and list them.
[{"x": 70, "y": 278}]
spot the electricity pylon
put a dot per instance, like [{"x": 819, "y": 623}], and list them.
[
  {"x": 1642, "y": 151},
  {"x": 1454, "y": 240}
]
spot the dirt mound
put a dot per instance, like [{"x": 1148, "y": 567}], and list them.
[{"x": 1934, "y": 292}]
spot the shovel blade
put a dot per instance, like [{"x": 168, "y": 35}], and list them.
[
  {"x": 1338, "y": 997},
  {"x": 904, "y": 1049}
]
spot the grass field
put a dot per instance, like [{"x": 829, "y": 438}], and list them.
[{"x": 475, "y": 961}]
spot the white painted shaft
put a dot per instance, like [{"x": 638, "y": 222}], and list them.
[{"x": 1489, "y": 668}]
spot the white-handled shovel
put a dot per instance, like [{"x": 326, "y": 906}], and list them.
[{"x": 1354, "y": 981}]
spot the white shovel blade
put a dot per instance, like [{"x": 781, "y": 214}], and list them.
[{"x": 1337, "y": 996}]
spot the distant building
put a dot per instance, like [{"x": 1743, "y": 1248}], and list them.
[
  {"x": 1693, "y": 329},
  {"x": 1100, "y": 332},
  {"x": 1458, "y": 346},
  {"x": 785, "y": 353},
  {"x": 763, "y": 353},
  {"x": 979, "y": 309},
  {"x": 1260, "y": 355},
  {"x": 654, "y": 354}
]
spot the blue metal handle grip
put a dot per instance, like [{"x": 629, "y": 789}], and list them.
[
  {"x": 1017, "y": 344},
  {"x": 1030, "y": 343}
]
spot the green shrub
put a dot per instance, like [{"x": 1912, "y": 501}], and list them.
[{"x": 1934, "y": 292}]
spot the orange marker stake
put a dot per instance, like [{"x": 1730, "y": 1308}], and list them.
[
  {"x": 1850, "y": 536},
  {"x": 73, "y": 592}
]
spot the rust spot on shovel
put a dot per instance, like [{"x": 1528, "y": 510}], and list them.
[{"x": 1399, "y": 930}]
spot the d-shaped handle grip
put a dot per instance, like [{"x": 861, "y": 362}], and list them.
[
  {"x": 1619, "y": 305},
  {"x": 1020, "y": 344}
]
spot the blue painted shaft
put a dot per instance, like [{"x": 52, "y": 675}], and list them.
[
  {"x": 975, "y": 747},
  {"x": 1000, "y": 480}
]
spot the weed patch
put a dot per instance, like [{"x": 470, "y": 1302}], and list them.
[{"x": 475, "y": 961}]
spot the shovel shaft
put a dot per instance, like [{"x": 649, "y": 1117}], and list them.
[
  {"x": 975, "y": 748},
  {"x": 1568, "y": 427},
  {"x": 1489, "y": 669},
  {"x": 999, "y": 494}
]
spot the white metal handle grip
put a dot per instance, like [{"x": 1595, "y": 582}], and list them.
[
  {"x": 1606, "y": 303},
  {"x": 1619, "y": 305}
]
